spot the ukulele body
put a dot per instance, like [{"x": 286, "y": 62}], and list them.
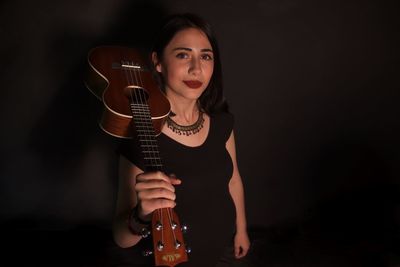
[{"x": 111, "y": 80}]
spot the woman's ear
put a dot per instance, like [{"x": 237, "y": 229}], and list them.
[{"x": 156, "y": 62}]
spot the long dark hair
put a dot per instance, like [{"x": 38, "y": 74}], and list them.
[{"x": 212, "y": 100}]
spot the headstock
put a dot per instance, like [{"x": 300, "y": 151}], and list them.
[{"x": 168, "y": 243}]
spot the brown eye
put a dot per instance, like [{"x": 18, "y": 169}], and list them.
[
  {"x": 207, "y": 57},
  {"x": 182, "y": 55}
]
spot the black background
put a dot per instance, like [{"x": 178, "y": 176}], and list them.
[{"x": 314, "y": 87}]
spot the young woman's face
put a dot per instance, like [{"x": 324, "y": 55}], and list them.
[{"x": 187, "y": 64}]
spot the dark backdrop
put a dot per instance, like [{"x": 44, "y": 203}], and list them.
[{"x": 314, "y": 87}]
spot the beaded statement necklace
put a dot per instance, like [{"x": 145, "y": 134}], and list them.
[{"x": 185, "y": 129}]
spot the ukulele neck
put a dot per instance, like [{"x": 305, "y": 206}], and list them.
[{"x": 146, "y": 136}]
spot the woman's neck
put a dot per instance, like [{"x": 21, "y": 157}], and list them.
[{"x": 186, "y": 111}]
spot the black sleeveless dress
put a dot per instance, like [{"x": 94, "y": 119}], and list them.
[{"x": 203, "y": 200}]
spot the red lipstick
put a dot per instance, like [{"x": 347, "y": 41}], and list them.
[{"x": 193, "y": 84}]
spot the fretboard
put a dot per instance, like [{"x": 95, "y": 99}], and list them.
[{"x": 146, "y": 136}]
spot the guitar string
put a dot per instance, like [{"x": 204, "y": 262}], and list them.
[
  {"x": 150, "y": 133},
  {"x": 158, "y": 165},
  {"x": 168, "y": 210},
  {"x": 145, "y": 127},
  {"x": 130, "y": 81},
  {"x": 142, "y": 113}
]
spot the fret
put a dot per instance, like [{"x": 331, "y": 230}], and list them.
[
  {"x": 150, "y": 152},
  {"x": 148, "y": 141},
  {"x": 142, "y": 112},
  {"x": 146, "y": 136},
  {"x": 139, "y": 113},
  {"x": 146, "y": 133},
  {"x": 144, "y": 121},
  {"x": 135, "y": 109},
  {"x": 140, "y": 105},
  {"x": 155, "y": 159},
  {"x": 149, "y": 146},
  {"x": 144, "y": 118},
  {"x": 147, "y": 130},
  {"x": 147, "y": 111},
  {"x": 141, "y": 117},
  {"x": 144, "y": 126}
]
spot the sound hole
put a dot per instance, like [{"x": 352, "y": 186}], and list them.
[{"x": 136, "y": 95}]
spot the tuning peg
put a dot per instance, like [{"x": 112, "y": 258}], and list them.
[
  {"x": 159, "y": 226},
  {"x": 173, "y": 225},
  {"x": 145, "y": 232},
  {"x": 184, "y": 228},
  {"x": 160, "y": 246},
  {"x": 188, "y": 249},
  {"x": 147, "y": 252},
  {"x": 177, "y": 244}
]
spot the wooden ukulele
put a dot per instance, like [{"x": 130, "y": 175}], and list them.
[{"x": 135, "y": 107}]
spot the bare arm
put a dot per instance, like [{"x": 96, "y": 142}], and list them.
[
  {"x": 150, "y": 191},
  {"x": 236, "y": 190},
  {"x": 126, "y": 200}
]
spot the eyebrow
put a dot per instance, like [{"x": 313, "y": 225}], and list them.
[{"x": 189, "y": 49}]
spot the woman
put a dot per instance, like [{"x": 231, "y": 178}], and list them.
[{"x": 197, "y": 145}]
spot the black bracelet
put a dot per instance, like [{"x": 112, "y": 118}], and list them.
[{"x": 136, "y": 225}]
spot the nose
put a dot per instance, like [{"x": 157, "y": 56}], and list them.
[{"x": 195, "y": 66}]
